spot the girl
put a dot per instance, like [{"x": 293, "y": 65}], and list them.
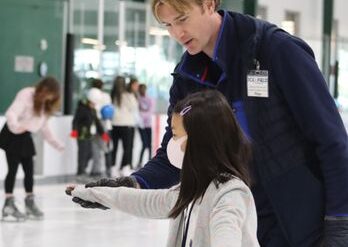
[
  {"x": 146, "y": 110},
  {"x": 28, "y": 113},
  {"x": 212, "y": 206}
]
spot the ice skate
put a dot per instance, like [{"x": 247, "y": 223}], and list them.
[
  {"x": 10, "y": 212},
  {"x": 32, "y": 211}
]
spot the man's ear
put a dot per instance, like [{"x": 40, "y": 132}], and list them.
[{"x": 209, "y": 5}]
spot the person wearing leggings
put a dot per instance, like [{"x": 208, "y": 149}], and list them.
[{"x": 28, "y": 113}]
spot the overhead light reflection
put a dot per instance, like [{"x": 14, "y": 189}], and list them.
[
  {"x": 120, "y": 43},
  {"x": 89, "y": 41}
]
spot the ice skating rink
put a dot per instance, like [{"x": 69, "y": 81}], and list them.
[{"x": 68, "y": 225}]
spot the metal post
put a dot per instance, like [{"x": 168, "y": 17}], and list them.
[
  {"x": 250, "y": 7},
  {"x": 336, "y": 71},
  {"x": 100, "y": 36},
  {"x": 69, "y": 74},
  {"x": 121, "y": 32},
  {"x": 327, "y": 30}
]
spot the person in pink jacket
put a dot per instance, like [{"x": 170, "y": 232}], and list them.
[
  {"x": 146, "y": 110},
  {"x": 28, "y": 113}
]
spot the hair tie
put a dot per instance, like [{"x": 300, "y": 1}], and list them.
[{"x": 185, "y": 110}]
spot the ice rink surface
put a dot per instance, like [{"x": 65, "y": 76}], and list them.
[{"x": 68, "y": 225}]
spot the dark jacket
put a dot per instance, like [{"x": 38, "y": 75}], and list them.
[
  {"x": 84, "y": 118},
  {"x": 300, "y": 143}
]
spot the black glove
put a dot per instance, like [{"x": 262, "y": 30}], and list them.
[
  {"x": 336, "y": 232},
  {"x": 88, "y": 204},
  {"x": 105, "y": 182},
  {"x": 114, "y": 182}
]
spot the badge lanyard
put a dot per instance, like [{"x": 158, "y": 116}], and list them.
[
  {"x": 186, "y": 226},
  {"x": 257, "y": 82}
]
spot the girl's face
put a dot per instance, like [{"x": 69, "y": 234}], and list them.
[
  {"x": 178, "y": 129},
  {"x": 135, "y": 87}
]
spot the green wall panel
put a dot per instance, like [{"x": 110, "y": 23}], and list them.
[
  {"x": 235, "y": 5},
  {"x": 23, "y": 24}
]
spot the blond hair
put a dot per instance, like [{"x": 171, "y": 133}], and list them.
[{"x": 181, "y": 6}]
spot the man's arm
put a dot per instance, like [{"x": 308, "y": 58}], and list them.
[{"x": 314, "y": 110}]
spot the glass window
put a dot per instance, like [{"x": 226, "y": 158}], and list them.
[{"x": 132, "y": 44}]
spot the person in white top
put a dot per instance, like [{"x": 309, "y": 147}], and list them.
[
  {"x": 28, "y": 113},
  {"x": 124, "y": 122},
  {"x": 212, "y": 206}
]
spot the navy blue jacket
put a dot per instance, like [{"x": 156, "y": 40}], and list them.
[{"x": 299, "y": 140}]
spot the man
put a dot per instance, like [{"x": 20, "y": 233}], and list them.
[{"x": 281, "y": 100}]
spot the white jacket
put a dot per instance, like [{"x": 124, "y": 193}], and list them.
[{"x": 127, "y": 113}]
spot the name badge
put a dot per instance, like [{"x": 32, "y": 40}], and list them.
[{"x": 257, "y": 83}]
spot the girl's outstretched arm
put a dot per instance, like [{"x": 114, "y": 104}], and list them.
[{"x": 155, "y": 204}]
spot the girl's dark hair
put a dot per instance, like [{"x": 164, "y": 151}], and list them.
[
  {"x": 118, "y": 88},
  {"x": 47, "y": 86},
  {"x": 216, "y": 148}
]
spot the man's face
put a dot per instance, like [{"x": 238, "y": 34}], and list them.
[{"x": 193, "y": 29}]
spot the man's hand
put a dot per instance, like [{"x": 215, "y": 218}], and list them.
[
  {"x": 336, "y": 232},
  {"x": 106, "y": 182},
  {"x": 114, "y": 182}
]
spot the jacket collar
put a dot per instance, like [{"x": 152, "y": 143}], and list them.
[
  {"x": 193, "y": 66},
  {"x": 226, "y": 45}
]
